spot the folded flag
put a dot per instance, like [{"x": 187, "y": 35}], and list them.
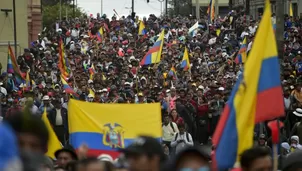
[{"x": 256, "y": 97}]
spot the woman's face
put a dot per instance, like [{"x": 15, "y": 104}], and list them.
[{"x": 174, "y": 114}]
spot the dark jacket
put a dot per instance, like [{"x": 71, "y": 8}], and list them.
[{"x": 52, "y": 117}]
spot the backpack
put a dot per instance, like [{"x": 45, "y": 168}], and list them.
[{"x": 187, "y": 136}]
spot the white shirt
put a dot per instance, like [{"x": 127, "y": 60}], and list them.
[
  {"x": 168, "y": 132},
  {"x": 187, "y": 141},
  {"x": 59, "y": 119},
  {"x": 252, "y": 29}
]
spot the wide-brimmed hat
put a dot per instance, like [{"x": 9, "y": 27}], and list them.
[{"x": 298, "y": 112}]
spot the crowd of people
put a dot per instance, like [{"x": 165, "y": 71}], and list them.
[{"x": 106, "y": 69}]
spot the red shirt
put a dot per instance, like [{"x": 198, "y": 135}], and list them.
[
  {"x": 202, "y": 109},
  {"x": 178, "y": 120}
]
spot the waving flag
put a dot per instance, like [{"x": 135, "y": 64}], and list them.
[
  {"x": 291, "y": 14},
  {"x": 172, "y": 72},
  {"x": 241, "y": 57},
  {"x": 185, "y": 63},
  {"x": 142, "y": 29},
  {"x": 13, "y": 67},
  {"x": 91, "y": 72},
  {"x": 211, "y": 10},
  {"x": 100, "y": 34},
  {"x": 154, "y": 54},
  {"x": 68, "y": 89},
  {"x": 257, "y": 96},
  {"x": 192, "y": 30},
  {"x": 53, "y": 143},
  {"x": 27, "y": 80},
  {"x": 62, "y": 61}
]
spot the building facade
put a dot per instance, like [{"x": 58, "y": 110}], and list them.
[
  {"x": 28, "y": 24},
  {"x": 257, "y": 6}
]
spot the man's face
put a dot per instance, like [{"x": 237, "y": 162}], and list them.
[
  {"x": 192, "y": 161},
  {"x": 166, "y": 119},
  {"x": 30, "y": 143},
  {"x": 262, "y": 164},
  {"x": 96, "y": 166},
  {"x": 140, "y": 163},
  {"x": 63, "y": 159}
]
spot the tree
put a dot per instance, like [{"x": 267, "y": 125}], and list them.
[
  {"x": 54, "y": 2},
  {"x": 51, "y": 13},
  {"x": 180, "y": 7}
]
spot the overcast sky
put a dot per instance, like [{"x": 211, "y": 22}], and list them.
[{"x": 141, "y": 7}]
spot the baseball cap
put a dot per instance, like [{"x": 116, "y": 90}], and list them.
[{"x": 144, "y": 145}]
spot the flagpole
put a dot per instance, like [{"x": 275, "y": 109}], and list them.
[{"x": 15, "y": 27}]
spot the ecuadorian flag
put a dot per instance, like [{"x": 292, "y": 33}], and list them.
[
  {"x": 142, "y": 29},
  {"x": 185, "y": 63},
  {"x": 100, "y": 34},
  {"x": 67, "y": 88},
  {"x": 154, "y": 54},
  {"x": 256, "y": 97},
  {"x": 241, "y": 57},
  {"x": 105, "y": 128}
]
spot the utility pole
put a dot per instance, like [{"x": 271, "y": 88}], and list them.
[
  {"x": 15, "y": 28},
  {"x": 247, "y": 11},
  {"x": 101, "y": 7},
  {"x": 166, "y": 7},
  {"x": 280, "y": 26},
  {"x": 198, "y": 10},
  {"x": 216, "y": 9},
  {"x": 74, "y": 8},
  {"x": 132, "y": 6},
  {"x": 60, "y": 10}
]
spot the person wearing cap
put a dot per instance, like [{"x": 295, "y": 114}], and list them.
[
  {"x": 256, "y": 158},
  {"x": 45, "y": 104},
  {"x": 262, "y": 142},
  {"x": 189, "y": 159},
  {"x": 294, "y": 143},
  {"x": 145, "y": 153},
  {"x": 58, "y": 119},
  {"x": 181, "y": 139},
  {"x": 65, "y": 155},
  {"x": 297, "y": 128}
]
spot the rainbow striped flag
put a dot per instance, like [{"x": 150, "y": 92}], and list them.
[
  {"x": 63, "y": 63},
  {"x": 172, "y": 72},
  {"x": 211, "y": 11},
  {"x": 241, "y": 57},
  {"x": 13, "y": 67},
  {"x": 256, "y": 97},
  {"x": 154, "y": 54}
]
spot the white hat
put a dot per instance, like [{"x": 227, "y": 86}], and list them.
[
  {"x": 104, "y": 90},
  {"x": 298, "y": 112},
  {"x": 127, "y": 83},
  {"x": 90, "y": 81},
  {"x": 45, "y": 98},
  {"x": 168, "y": 91},
  {"x": 86, "y": 36},
  {"x": 105, "y": 157},
  {"x": 221, "y": 88},
  {"x": 201, "y": 87}
]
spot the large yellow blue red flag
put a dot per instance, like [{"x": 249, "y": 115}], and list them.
[
  {"x": 241, "y": 57},
  {"x": 185, "y": 63},
  {"x": 154, "y": 54},
  {"x": 257, "y": 96},
  {"x": 53, "y": 142},
  {"x": 106, "y": 128},
  {"x": 211, "y": 10},
  {"x": 142, "y": 29},
  {"x": 100, "y": 34}
]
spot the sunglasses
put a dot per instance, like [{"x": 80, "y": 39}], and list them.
[{"x": 199, "y": 169}]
